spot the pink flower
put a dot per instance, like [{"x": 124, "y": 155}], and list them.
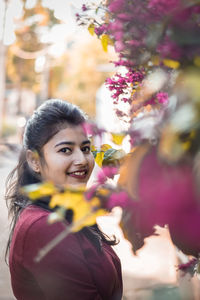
[
  {"x": 126, "y": 100},
  {"x": 189, "y": 267},
  {"x": 92, "y": 129},
  {"x": 90, "y": 193},
  {"x": 110, "y": 171},
  {"x": 116, "y": 25},
  {"x": 151, "y": 101},
  {"x": 106, "y": 172},
  {"x": 162, "y": 97},
  {"x": 116, "y": 5},
  {"x": 118, "y": 35},
  {"x": 100, "y": 30},
  {"x": 121, "y": 199},
  {"x": 169, "y": 49},
  {"x": 123, "y": 62},
  {"x": 119, "y": 46},
  {"x": 84, "y": 8},
  {"x": 77, "y": 17},
  {"x": 135, "y": 76},
  {"x": 135, "y": 43},
  {"x": 120, "y": 113},
  {"x": 125, "y": 16},
  {"x": 163, "y": 7}
]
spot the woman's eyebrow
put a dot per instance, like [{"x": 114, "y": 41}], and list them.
[
  {"x": 65, "y": 143},
  {"x": 86, "y": 142},
  {"x": 72, "y": 143}
]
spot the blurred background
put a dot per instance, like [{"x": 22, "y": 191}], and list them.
[{"x": 44, "y": 54}]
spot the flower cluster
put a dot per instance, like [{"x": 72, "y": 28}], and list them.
[
  {"x": 150, "y": 36},
  {"x": 142, "y": 29},
  {"x": 110, "y": 196},
  {"x": 124, "y": 85}
]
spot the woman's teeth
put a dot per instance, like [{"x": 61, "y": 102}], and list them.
[{"x": 80, "y": 173}]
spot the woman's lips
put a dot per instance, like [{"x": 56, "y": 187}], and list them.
[{"x": 82, "y": 174}]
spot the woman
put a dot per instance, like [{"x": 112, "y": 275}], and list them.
[{"x": 83, "y": 265}]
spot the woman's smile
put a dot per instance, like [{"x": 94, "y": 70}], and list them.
[{"x": 81, "y": 174}]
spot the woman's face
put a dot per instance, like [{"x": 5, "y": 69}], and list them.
[{"x": 67, "y": 158}]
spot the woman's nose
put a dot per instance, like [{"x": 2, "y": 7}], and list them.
[{"x": 79, "y": 158}]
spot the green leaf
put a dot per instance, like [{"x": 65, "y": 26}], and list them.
[{"x": 113, "y": 157}]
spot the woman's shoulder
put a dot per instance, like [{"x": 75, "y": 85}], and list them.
[
  {"x": 29, "y": 216},
  {"x": 34, "y": 212},
  {"x": 34, "y": 219},
  {"x": 32, "y": 232},
  {"x": 32, "y": 226}
]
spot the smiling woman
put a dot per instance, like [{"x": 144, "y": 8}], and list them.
[
  {"x": 83, "y": 265},
  {"x": 67, "y": 157}
]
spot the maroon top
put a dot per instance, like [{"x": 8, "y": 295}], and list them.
[{"x": 73, "y": 270}]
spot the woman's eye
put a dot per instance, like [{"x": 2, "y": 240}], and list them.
[
  {"x": 86, "y": 149},
  {"x": 65, "y": 150}
]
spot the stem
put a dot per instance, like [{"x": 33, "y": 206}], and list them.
[
  {"x": 46, "y": 249},
  {"x": 53, "y": 243}
]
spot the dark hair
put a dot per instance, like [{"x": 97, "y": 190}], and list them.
[{"x": 45, "y": 122}]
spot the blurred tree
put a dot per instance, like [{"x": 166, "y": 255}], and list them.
[
  {"x": 28, "y": 46},
  {"x": 76, "y": 76},
  {"x": 3, "y": 49},
  {"x": 82, "y": 71}
]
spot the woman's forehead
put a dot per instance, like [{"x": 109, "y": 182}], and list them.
[{"x": 70, "y": 133}]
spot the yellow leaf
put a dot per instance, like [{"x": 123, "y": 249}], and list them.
[
  {"x": 104, "y": 42},
  {"x": 38, "y": 190},
  {"x": 173, "y": 64},
  {"x": 104, "y": 192},
  {"x": 186, "y": 145},
  {"x": 117, "y": 138},
  {"x": 156, "y": 60},
  {"x": 84, "y": 212},
  {"x": 69, "y": 199},
  {"x": 93, "y": 148},
  {"x": 105, "y": 147},
  {"x": 192, "y": 134},
  {"x": 91, "y": 28},
  {"x": 197, "y": 61},
  {"x": 88, "y": 220},
  {"x": 99, "y": 158}
]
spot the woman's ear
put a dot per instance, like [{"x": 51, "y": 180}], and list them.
[{"x": 33, "y": 160}]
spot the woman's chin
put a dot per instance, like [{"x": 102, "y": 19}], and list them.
[{"x": 74, "y": 185}]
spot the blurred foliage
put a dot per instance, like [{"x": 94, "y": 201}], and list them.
[
  {"x": 76, "y": 76},
  {"x": 8, "y": 130},
  {"x": 21, "y": 55}
]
